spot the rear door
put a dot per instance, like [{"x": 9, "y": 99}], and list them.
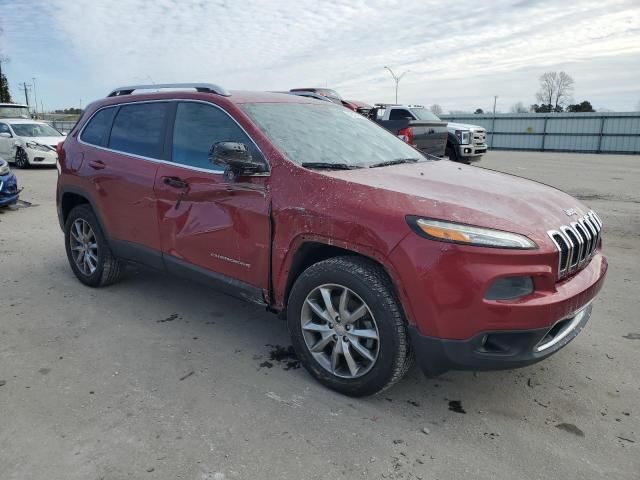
[
  {"x": 122, "y": 147},
  {"x": 208, "y": 225},
  {"x": 6, "y": 143}
]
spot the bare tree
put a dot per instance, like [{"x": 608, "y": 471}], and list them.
[
  {"x": 519, "y": 108},
  {"x": 555, "y": 90},
  {"x": 436, "y": 109}
]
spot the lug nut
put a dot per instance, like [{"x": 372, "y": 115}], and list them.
[
  {"x": 331, "y": 325},
  {"x": 335, "y": 337},
  {"x": 345, "y": 338},
  {"x": 347, "y": 327}
]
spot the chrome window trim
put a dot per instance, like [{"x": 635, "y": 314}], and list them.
[{"x": 166, "y": 162}]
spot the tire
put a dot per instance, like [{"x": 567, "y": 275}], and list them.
[
  {"x": 98, "y": 267},
  {"x": 451, "y": 153},
  {"x": 22, "y": 159},
  {"x": 366, "y": 284}
]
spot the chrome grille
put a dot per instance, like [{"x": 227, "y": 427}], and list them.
[
  {"x": 479, "y": 137},
  {"x": 576, "y": 243}
]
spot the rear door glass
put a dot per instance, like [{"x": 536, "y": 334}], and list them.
[
  {"x": 138, "y": 129},
  {"x": 400, "y": 114}
]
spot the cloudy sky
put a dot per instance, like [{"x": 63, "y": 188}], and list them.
[{"x": 459, "y": 54}]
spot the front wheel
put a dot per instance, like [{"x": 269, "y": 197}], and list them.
[
  {"x": 347, "y": 326},
  {"x": 22, "y": 159}
]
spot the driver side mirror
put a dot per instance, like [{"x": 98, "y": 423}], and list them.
[
  {"x": 236, "y": 159},
  {"x": 5, "y": 135}
]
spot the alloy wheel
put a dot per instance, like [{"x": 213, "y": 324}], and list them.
[
  {"x": 340, "y": 331},
  {"x": 84, "y": 246},
  {"x": 22, "y": 161}
]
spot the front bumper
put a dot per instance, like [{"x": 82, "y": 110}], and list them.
[
  {"x": 41, "y": 157},
  {"x": 496, "y": 350},
  {"x": 472, "y": 152},
  {"x": 9, "y": 191}
]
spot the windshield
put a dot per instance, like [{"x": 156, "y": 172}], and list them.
[
  {"x": 35, "y": 130},
  {"x": 9, "y": 111},
  {"x": 326, "y": 133},
  {"x": 424, "y": 114}
]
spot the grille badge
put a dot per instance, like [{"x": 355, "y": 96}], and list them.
[{"x": 570, "y": 212}]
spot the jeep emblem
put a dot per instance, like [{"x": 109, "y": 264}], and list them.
[{"x": 570, "y": 212}]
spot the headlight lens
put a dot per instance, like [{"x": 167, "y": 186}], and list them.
[
  {"x": 468, "y": 235},
  {"x": 37, "y": 146},
  {"x": 463, "y": 136},
  {"x": 4, "y": 168}
]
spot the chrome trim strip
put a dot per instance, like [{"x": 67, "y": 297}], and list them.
[
  {"x": 200, "y": 87},
  {"x": 166, "y": 162},
  {"x": 577, "y": 318}
]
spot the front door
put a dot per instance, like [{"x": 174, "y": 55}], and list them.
[{"x": 207, "y": 224}]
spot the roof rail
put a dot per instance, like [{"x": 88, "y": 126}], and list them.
[{"x": 200, "y": 87}]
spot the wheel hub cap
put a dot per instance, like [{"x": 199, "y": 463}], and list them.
[
  {"x": 84, "y": 247},
  {"x": 340, "y": 331}
]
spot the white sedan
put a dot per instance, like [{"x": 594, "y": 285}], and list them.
[{"x": 27, "y": 142}]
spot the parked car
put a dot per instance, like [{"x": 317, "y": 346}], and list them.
[
  {"x": 14, "y": 110},
  {"x": 26, "y": 142},
  {"x": 375, "y": 253},
  {"x": 362, "y": 108},
  {"x": 416, "y": 126},
  {"x": 465, "y": 143},
  {"x": 9, "y": 191}
]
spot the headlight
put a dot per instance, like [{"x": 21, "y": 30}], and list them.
[
  {"x": 4, "y": 168},
  {"x": 468, "y": 235},
  {"x": 463, "y": 136},
  {"x": 37, "y": 146}
]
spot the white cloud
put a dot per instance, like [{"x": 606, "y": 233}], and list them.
[{"x": 459, "y": 54}]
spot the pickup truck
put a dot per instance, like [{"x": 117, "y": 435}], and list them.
[
  {"x": 465, "y": 143},
  {"x": 415, "y": 125}
]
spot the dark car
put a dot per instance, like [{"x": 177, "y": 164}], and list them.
[
  {"x": 374, "y": 252},
  {"x": 417, "y": 126},
  {"x": 9, "y": 191}
]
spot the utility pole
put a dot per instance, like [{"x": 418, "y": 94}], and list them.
[
  {"x": 493, "y": 122},
  {"x": 397, "y": 79},
  {"x": 35, "y": 96},
  {"x": 26, "y": 95}
]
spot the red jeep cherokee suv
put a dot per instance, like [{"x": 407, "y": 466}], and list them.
[{"x": 376, "y": 253}]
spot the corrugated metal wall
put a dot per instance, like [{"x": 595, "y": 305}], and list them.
[{"x": 565, "y": 132}]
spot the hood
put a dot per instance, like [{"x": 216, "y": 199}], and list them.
[
  {"x": 472, "y": 195},
  {"x": 51, "y": 141},
  {"x": 464, "y": 126}
]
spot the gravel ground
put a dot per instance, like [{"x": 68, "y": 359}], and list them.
[{"x": 159, "y": 378}]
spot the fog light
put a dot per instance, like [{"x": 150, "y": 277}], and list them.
[
  {"x": 508, "y": 288},
  {"x": 467, "y": 150}
]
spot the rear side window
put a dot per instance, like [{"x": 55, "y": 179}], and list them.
[
  {"x": 97, "y": 130},
  {"x": 400, "y": 114},
  {"x": 197, "y": 127},
  {"x": 139, "y": 129}
]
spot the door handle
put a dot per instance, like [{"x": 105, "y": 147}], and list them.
[
  {"x": 174, "y": 182},
  {"x": 97, "y": 164}
]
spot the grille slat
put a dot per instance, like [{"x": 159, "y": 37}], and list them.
[{"x": 576, "y": 243}]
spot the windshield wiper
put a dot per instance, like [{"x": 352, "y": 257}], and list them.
[
  {"x": 397, "y": 161},
  {"x": 328, "y": 165}
]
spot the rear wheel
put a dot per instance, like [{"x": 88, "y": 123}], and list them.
[
  {"x": 88, "y": 253},
  {"x": 347, "y": 326},
  {"x": 22, "y": 159}
]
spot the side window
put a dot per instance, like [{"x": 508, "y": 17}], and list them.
[
  {"x": 97, "y": 130},
  {"x": 4, "y": 128},
  {"x": 139, "y": 129},
  {"x": 197, "y": 127},
  {"x": 400, "y": 114}
]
